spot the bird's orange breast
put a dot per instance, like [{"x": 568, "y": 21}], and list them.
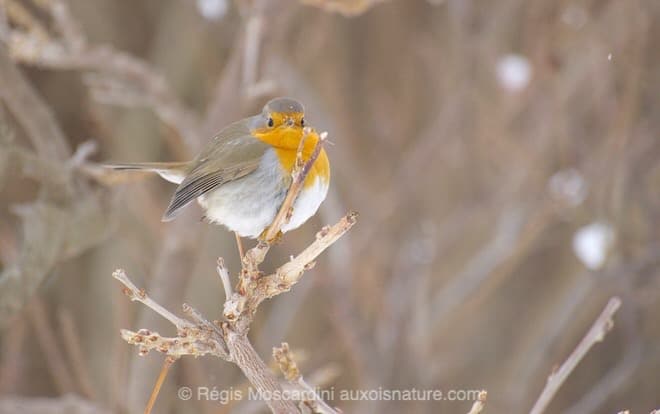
[{"x": 285, "y": 141}]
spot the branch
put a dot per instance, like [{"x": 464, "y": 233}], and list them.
[
  {"x": 596, "y": 334},
  {"x": 221, "y": 268},
  {"x": 242, "y": 306},
  {"x": 348, "y": 8},
  {"x": 196, "y": 338},
  {"x": 66, "y": 404},
  {"x": 299, "y": 174},
  {"x": 289, "y": 368},
  {"x": 255, "y": 256},
  {"x": 229, "y": 340},
  {"x": 30, "y": 111},
  {"x": 259, "y": 375},
  {"x": 65, "y": 218},
  {"x": 290, "y": 273},
  {"x": 479, "y": 405},
  {"x": 140, "y": 295},
  {"x": 126, "y": 80}
]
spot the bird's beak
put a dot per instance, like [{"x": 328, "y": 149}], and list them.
[{"x": 290, "y": 122}]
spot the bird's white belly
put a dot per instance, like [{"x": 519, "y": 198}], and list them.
[
  {"x": 248, "y": 205},
  {"x": 307, "y": 204}
]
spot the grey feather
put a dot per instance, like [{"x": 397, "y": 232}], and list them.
[
  {"x": 230, "y": 155},
  {"x": 173, "y": 172},
  {"x": 285, "y": 105}
]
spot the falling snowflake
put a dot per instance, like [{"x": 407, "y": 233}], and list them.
[
  {"x": 513, "y": 72},
  {"x": 212, "y": 9},
  {"x": 591, "y": 244}
]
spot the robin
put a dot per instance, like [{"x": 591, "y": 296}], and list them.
[{"x": 242, "y": 175}]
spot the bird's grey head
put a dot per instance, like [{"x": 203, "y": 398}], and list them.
[
  {"x": 283, "y": 105},
  {"x": 279, "y": 112}
]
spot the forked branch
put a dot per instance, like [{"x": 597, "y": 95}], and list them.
[
  {"x": 228, "y": 339},
  {"x": 596, "y": 334}
]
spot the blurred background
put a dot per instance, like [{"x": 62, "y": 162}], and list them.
[{"x": 503, "y": 156}]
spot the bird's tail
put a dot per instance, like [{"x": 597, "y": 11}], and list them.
[{"x": 173, "y": 172}]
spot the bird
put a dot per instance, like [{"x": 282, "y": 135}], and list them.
[{"x": 242, "y": 175}]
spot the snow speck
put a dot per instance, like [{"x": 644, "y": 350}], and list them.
[
  {"x": 568, "y": 185},
  {"x": 591, "y": 244},
  {"x": 513, "y": 72},
  {"x": 609, "y": 57},
  {"x": 212, "y": 9}
]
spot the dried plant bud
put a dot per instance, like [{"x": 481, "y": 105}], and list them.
[{"x": 287, "y": 364}]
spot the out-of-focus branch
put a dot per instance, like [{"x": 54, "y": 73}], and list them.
[
  {"x": 596, "y": 334},
  {"x": 508, "y": 229},
  {"x": 67, "y": 217},
  {"x": 120, "y": 78},
  {"x": 30, "y": 111},
  {"x": 253, "y": 37},
  {"x": 62, "y": 405},
  {"x": 73, "y": 348},
  {"x": 50, "y": 348},
  {"x": 11, "y": 360},
  {"x": 345, "y": 7}
]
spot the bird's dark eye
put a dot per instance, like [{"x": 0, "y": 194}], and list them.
[
  {"x": 270, "y": 122},
  {"x": 302, "y": 122}
]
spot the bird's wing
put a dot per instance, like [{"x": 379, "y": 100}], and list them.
[{"x": 232, "y": 154}]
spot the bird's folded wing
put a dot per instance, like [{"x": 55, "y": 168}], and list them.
[{"x": 232, "y": 154}]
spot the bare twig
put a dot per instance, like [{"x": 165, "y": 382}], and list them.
[
  {"x": 290, "y": 273},
  {"x": 197, "y": 345},
  {"x": 140, "y": 295},
  {"x": 255, "y": 256},
  {"x": 286, "y": 275},
  {"x": 298, "y": 175},
  {"x": 221, "y": 268},
  {"x": 598, "y": 330},
  {"x": 169, "y": 360},
  {"x": 289, "y": 368},
  {"x": 479, "y": 405},
  {"x": 230, "y": 341},
  {"x": 239, "y": 245}
]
